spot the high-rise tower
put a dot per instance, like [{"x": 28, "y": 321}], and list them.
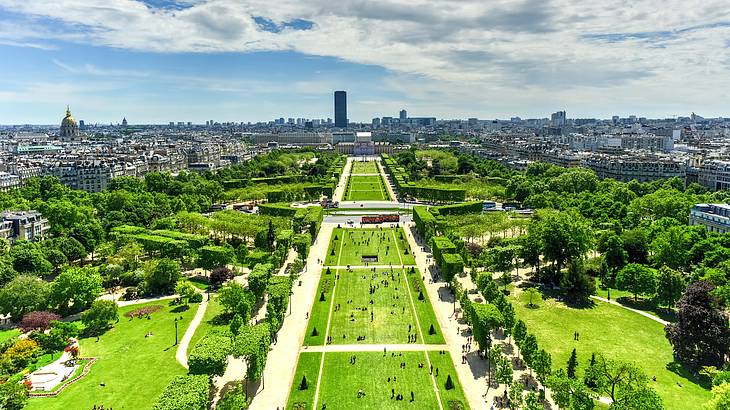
[{"x": 340, "y": 109}]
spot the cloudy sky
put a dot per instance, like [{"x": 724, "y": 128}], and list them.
[{"x": 156, "y": 61}]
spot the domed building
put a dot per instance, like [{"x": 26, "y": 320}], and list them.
[{"x": 69, "y": 127}]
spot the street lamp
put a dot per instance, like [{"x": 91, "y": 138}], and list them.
[{"x": 175, "y": 331}]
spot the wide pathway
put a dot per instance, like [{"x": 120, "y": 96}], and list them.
[
  {"x": 342, "y": 183},
  {"x": 182, "y": 349},
  {"x": 641, "y": 312},
  {"x": 284, "y": 355}
]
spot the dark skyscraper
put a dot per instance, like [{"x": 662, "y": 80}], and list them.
[{"x": 340, "y": 109}]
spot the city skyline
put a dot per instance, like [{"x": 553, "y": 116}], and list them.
[{"x": 245, "y": 61}]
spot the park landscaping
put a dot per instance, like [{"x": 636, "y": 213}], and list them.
[
  {"x": 366, "y": 188},
  {"x": 371, "y": 246},
  {"x": 364, "y": 167},
  {"x": 618, "y": 334},
  {"x": 121, "y": 376},
  {"x": 381, "y": 377}
]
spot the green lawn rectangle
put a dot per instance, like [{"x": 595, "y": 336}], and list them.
[
  {"x": 445, "y": 364},
  {"x": 132, "y": 370},
  {"x": 388, "y": 244},
  {"x": 320, "y": 309},
  {"x": 618, "y": 334},
  {"x": 364, "y": 167},
  {"x": 366, "y": 188},
  {"x": 342, "y": 380},
  {"x": 308, "y": 366}
]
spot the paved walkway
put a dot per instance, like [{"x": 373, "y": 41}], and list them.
[
  {"x": 182, "y": 349},
  {"x": 641, "y": 312},
  {"x": 342, "y": 183},
  {"x": 410, "y": 347},
  {"x": 387, "y": 181},
  {"x": 284, "y": 355}
]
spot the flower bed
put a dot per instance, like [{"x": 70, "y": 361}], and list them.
[
  {"x": 58, "y": 389},
  {"x": 145, "y": 311}
]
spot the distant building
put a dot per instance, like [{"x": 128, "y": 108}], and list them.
[
  {"x": 714, "y": 217},
  {"x": 69, "y": 128},
  {"x": 403, "y": 115},
  {"x": 558, "y": 119},
  {"x": 340, "y": 109},
  {"x": 23, "y": 225},
  {"x": 124, "y": 122}
]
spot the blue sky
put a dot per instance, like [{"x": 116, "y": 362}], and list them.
[{"x": 246, "y": 60}]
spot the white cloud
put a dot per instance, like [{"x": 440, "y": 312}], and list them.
[{"x": 496, "y": 57}]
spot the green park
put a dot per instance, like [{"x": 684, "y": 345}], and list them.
[
  {"x": 366, "y": 188},
  {"x": 369, "y": 246}
]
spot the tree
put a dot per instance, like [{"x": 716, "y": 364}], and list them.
[
  {"x": 22, "y": 295},
  {"x": 533, "y": 295},
  {"x": 515, "y": 394},
  {"x": 219, "y": 276},
  {"x": 72, "y": 248},
  {"x": 569, "y": 393},
  {"x": 100, "y": 316},
  {"x": 572, "y": 364},
  {"x": 13, "y": 396},
  {"x": 541, "y": 363},
  {"x": 29, "y": 259},
  {"x": 486, "y": 318},
  {"x": 520, "y": 331},
  {"x": 235, "y": 325},
  {"x": 75, "y": 289},
  {"x": 625, "y": 384},
  {"x": 161, "y": 276},
  {"x": 270, "y": 235},
  {"x": 672, "y": 246},
  {"x": 565, "y": 236},
  {"x": 635, "y": 244},
  {"x": 670, "y": 285},
  {"x": 720, "y": 398},
  {"x": 577, "y": 285},
  {"x": 529, "y": 348},
  {"x": 700, "y": 336},
  {"x": 212, "y": 257},
  {"x": 614, "y": 254},
  {"x": 532, "y": 402},
  {"x": 504, "y": 372},
  {"x": 40, "y": 320},
  {"x": 185, "y": 290},
  {"x": 235, "y": 299},
  {"x": 234, "y": 399},
  {"x": 637, "y": 279},
  {"x": 508, "y": 315}
]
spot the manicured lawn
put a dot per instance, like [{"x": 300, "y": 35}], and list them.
[
  {"x": 364, "y": 167},
  {"x": 342, "y": 380},
  {"x": 8, "y": 334},
  {"x": 445, "y": 364},
  {"x": 211, "y": 320},
  {"x": 200, "y": 282},
  {"x": 391, "y": 309},
  {"x": 366, "y": 188},
  {"x": 617, "y": 333},
  {"x": 320, "y": 309},
  {"x": 385, "y": 243},
  {"x": 308, "y": 366},
  {"x": 627, "y": 299},
  {"x": 131, "y": 370}
]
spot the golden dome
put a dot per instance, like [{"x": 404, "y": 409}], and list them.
[{"x": 68, "y": 120}]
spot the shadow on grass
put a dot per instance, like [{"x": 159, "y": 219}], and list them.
[
  {"x": 682, "y": 371},
  {"x": 221, "y": 319},
  {"x": 181, "y": 308}
]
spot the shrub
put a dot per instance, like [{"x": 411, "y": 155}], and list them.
[
  {"x": 209, "y": 355},
  {"x": 196, "y": 298},
  {"x": 38, "y": 320},
  {"x": 449, "y": 383},
  {"x": 219, "y": 276},
  {"x": 431, "y": 330},
  {"x": 303, "y": 385},
  {"x": 100, "y": 315},
  {"x": 188, "y": 392}
]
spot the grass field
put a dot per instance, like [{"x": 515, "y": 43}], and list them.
[
  {"x": 131, "y": 370},
  {"x": 342, "y": 380},
  {"x": 209, "y": 321},
  {"x": 308, "y": 366},
  {"x": 366, "y": 188},
  {"x": 364, "y": 167},
  {"x": 385, "y": 243},
  {"x": 618, "y": 334},
  {"x": 8, "y": 334},
  {"x": 394, "y": 308}
]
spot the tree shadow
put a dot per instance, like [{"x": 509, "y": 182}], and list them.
[
  {"x": 682, "y": 371},
  {"x": 181, "y": 308},
  {"x": 649, "y": 306}
]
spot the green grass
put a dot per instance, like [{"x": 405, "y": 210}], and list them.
[
  {"x": 320, "y": 310},
  {"x": 200, "y": 282},
  {"x": 341, "y": 381},
  {"x": 308, "y": 366},
  {"x": 445, "y": 364},
  {"x": 8, "y": 334},
  {"x": 627, "y": 299},
  {"x": 211, "y": 320},
  {"x": 133, "y": 368},
  {"x": 618, "y": 334},
  {"x": 366, "y": 188},
  {"x": 366, "y": 167},
  {"x": 373, "y": 241},
  {"x": 392, "y": 312}
]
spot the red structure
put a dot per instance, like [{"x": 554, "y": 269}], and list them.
[{"x": 379, "y": 219}]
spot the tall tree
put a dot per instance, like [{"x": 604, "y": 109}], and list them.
[
  {"x": 572, "y": 364},
  {"x": 637, "y": 279},
  {"x": 700, "y": 336},
  {"x": 625, "y": 384},
  {"x": 670, "y": 285},
  {"x": 75, "y": 289},
  {"x": 22, "y": 295}
]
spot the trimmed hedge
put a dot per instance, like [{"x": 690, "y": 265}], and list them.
[
  {"x": 209, "y": 355},
  {"x": 278, "y": 290},
  {"x": 425, "y": 221},
  {"x": 277, "y": 209},
  {"x": 441, "y": 245},
  {"x": 190, "y": 392},
  {"x": 253, "y": 343},
  {"x": 194, "y": 241},
  {"x": 258, "y": 279},
  {"x": 452, "y": 265},
  {"x": 460, "y": 209}
]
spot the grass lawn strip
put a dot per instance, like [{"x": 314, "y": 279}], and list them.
[
  {"x": 329, "y": 319},
  {"x": 308, "y": 365},
  {"x": 121, "y": 376},
  {"x": 364, "y": 167},
  {"x": 368, "y": 242},
  {"x": 445, "y": 364},
  {"x": 209, "y": 322},
  {"x": 619, "y": 334},
  {"x": 366, "y": 188},
  {"x": 418, "y": 323}
]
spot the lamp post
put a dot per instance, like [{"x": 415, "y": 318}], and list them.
[{"x": 175, "y": 331}]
